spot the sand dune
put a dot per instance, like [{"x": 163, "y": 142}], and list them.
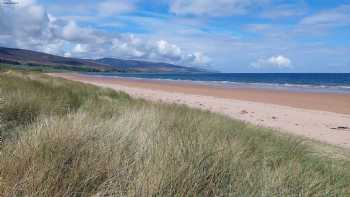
[{"x": 322, "y": 117}]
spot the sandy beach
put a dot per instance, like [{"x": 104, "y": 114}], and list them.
[{"x": 324, "y": 117}]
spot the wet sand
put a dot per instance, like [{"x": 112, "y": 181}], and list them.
[{"x": 321, "y": 116}]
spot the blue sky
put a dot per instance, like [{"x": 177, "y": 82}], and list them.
[{"x": 225, "y": 35}]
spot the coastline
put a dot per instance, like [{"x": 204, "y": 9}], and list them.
[
  {"x": 323, "y": 101},
  {"x": 312, "y": 86},
  {"x": 311, "y": 115}
]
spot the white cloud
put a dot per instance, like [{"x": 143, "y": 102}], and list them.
[
  {"x": 339, "y": 16},
  {"x": 29, "y": 26},
  {"x": 158, "y": 50},
  {"x": 173, "y": 52},
  {"x": 199, "y": 58},
  {"x": 93, "y": 44},
  {"x": 177, "y": 39},
  {"x": 72, "y": 32},
  {"x": 67, "y": 54},
  {"x": 15, "y": 20},
  {"x": 213, "y": 8},
  {"x": 130, "y": 47},
  {"x": 80, "y": 48},
  {"x": 278, "y": 61},
  {"x": 169, "y": 50}
]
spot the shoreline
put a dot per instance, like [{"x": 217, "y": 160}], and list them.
[
  {"x": 301, "y": 88},
  {"x": 323, "y": 101},
  {"x": 293, "y": 88},
  {"x": 317, "y": 116}
]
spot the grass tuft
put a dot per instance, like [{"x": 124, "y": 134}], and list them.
[{"x": 79, "y": 140}]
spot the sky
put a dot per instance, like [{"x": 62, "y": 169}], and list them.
[{"x": 222, "y": 35}]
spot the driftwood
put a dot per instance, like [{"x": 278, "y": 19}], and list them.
[{"x": 341, "y": 128}]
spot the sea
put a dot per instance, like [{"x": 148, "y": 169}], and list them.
[{"x": 305, "y": 82}]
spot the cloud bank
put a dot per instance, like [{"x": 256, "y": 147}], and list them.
[
  {"x": 278, "y": 61},
  {"x": 237, "y": 35},
  {"x": 29, "y": 26}
]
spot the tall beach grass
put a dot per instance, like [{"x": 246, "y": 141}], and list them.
[{"x": 64, "y": 138}]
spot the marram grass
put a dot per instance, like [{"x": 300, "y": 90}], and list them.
[{"x": 63, "y": 138}]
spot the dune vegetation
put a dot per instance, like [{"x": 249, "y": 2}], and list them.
[{"x": 62, "y": 138}]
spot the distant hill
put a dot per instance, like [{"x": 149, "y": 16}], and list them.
[
  {"x": 145, "y": 66},
  {"x": 33, "y": 58},
  {"x": 38, "y": 59}
]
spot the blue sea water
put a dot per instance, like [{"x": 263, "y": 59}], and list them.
[{"x": 310, "y": 82}]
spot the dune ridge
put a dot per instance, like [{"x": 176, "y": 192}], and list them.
[{"x": 328, "y": 125}]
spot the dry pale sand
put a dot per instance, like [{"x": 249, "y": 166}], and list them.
[{"x": 312, "y": 115}]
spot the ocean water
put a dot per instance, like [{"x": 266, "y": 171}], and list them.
[{"x": 309, "y": 82}]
